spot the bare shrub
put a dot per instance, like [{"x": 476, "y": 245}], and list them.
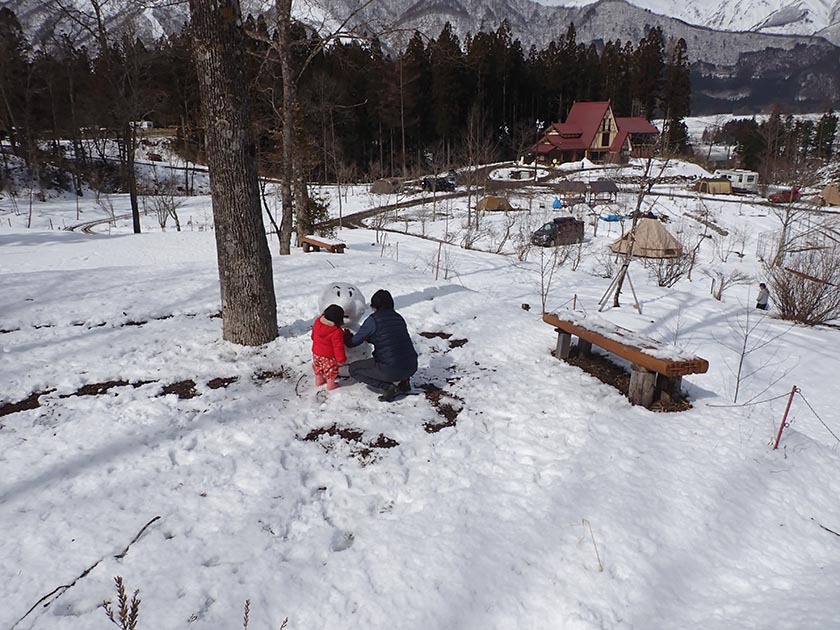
[
  {"x": 605, "y": 264},
  {"x": 164, "y": 206},
  {"x": 807, "y": 288},
  {"x": 749, "y": 335},
  {"x": 722, "y": 280},
  {"x": 472, "y": 234},
  {"x": 522, "y": 244},
  {"x": 503, "y": 236},
  {"x": 104, "y": 202},
  {"x": 572, "y": 254},
  {"x": 669, "y": 271},
  {"x": 551, "y": 259}
]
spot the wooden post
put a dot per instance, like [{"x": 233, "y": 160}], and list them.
[
  {"x": 584, "y": 347},
  {"x": 793, "y": 391},
  {"x": 642, "y": 386},
  {"x": 564, "y": 344}
]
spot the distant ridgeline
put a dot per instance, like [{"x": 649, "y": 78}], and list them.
[{"x": 371, "y": 107}]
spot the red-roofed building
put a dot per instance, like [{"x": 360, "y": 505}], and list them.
[{"x": 592, "y": 131}]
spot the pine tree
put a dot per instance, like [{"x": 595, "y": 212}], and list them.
[
  {"x": 14, "y": 69},
  {"x": 824, "y": 135},
  {"x": 647, "y": 72},
  {"x": 676, "y": 97}
]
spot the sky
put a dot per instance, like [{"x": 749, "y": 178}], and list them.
[{"x": 524, "y": 494}]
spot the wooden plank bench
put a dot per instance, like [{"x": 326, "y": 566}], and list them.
[
  {"x": 316, "y": 243},
  {"x": 655, "y": 368}
]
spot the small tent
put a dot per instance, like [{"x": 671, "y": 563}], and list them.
[
  {"x": 652, "y": 240},
  {"x": 385, "y": 186},
  {"x": 715, "y": 186},
  {"x": 493, "y": 203},
  {"x": 830, "y": 195}
]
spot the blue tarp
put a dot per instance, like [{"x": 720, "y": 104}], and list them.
[{"x": 557, "y": 203}]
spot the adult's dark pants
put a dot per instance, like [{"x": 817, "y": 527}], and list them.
[{"x": 368, "y": 372}]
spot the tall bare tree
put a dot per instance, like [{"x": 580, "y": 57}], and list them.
[{"x": 247, "y": 286}]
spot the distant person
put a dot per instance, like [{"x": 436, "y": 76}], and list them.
[
  {"x": 394, "y": 359},
  {"x": 763, "y": 297},
  {"x": 328, "y": 346}
]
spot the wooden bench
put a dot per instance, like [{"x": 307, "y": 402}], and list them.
[
  {"x": 316, "y": 243},
  {"x": 656, "y": 369}
]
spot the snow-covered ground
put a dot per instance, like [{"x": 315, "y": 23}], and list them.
[{"x": 550, "y": 501}]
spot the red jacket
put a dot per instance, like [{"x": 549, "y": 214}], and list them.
[{"x": 328, "y": 340}]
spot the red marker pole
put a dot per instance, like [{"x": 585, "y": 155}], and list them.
[{"x": 784, "y": 418}]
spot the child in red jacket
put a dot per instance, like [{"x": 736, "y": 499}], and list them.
[{"x": 328, "y": 346}]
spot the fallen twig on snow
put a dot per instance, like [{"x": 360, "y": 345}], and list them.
[
  {"x": 824, "y": 527},
  {"x": 60, "y": 590}
]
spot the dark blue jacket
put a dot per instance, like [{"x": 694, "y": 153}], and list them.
[{"x": 392, "y": 347}]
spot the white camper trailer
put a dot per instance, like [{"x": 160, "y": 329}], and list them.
[{"x": 742, "y": 181}]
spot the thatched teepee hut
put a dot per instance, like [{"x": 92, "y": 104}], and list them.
[{"x": 652, "y": 240}]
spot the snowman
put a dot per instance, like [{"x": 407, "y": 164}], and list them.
[
  {"x": 348, "y": 297},
  {"x": 352, "y": 300}
]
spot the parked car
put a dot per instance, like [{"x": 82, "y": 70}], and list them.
[
  {"x": 642, "y": 214},
  {"x": 560, "y": 231},
  {"x": 786, "y": 196},
  {"x": 438, "y": 184}
]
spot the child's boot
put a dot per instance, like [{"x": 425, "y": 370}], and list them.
[
  {"x": 331, "y": 384},
  {"x": 319, "y": 380}
]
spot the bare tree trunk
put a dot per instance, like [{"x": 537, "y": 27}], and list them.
[
  {"x": 247, "y": 289},
  {"x": 284, "y": 17},
  {"x": 130, "y": 145}
]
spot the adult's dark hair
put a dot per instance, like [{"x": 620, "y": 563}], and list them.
[
  {"x": 335, "y": 314},
  {"x": 382, "y": 299}
]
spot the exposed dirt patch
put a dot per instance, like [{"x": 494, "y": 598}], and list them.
[
  {"x": 453, "y": 343},
  {"x": 364, "y": 451},
  {"x": 182, "y": 389},
  {"x": 95, "y": 389},
  {"x": 220, "y": 383},
  {"x": 283, "y": 373},
  {"x": 32, "y": 402},
  {"x": 606, "y": 371},
  {"x": 3, "y": 331},
  {"x": 383, "y": 441},
  {"x": 348, "y": 434},
  {"x": 447, "y": 405}
]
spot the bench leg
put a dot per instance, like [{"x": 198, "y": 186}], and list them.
[
  {"x": 584, "y": 347},
  {"x": 642, "y": 386},
  {"x": 306, "y": 248},
  {"x": 670, "y": 385},
  {"x": 564, "y": 344}
]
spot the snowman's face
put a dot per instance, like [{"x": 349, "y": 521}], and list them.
[{"x": 348, "y": 297}]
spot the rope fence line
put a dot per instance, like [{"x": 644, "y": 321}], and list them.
[
  {"x": 786, "y": 423},
  {"x": 813, "y": 411},
  {"x": 749, "y": 404}
]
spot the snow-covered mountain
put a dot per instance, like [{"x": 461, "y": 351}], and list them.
[
  {"x": 779, "y": 68},
  {"x": 797, "y": 17}
]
